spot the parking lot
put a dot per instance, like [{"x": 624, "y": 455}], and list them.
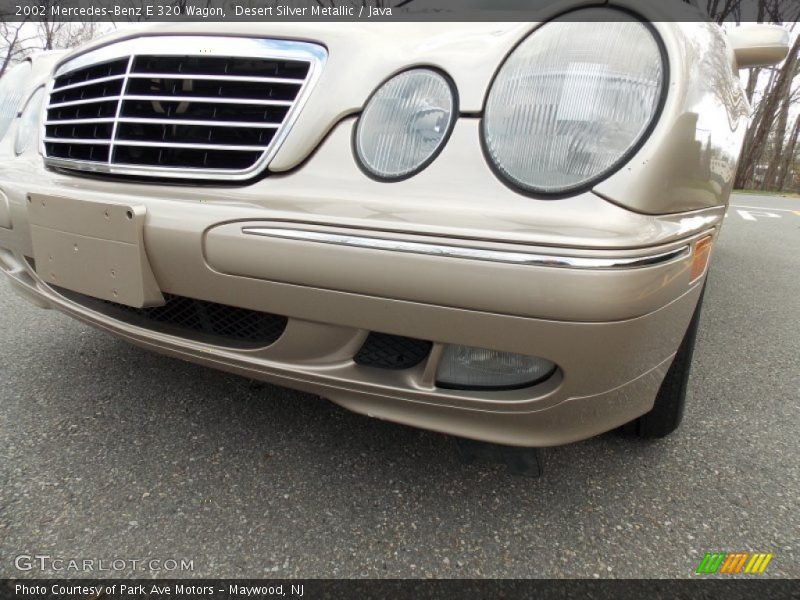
[{"x": 110, "y": 452}]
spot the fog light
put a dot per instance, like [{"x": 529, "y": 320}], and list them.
[{"x": 466, "y": 368}]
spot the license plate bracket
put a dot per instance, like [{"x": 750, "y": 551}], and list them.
[{"x": 93, "y": 248}]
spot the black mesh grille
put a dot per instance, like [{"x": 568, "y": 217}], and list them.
[
  {"x": 196, "y": 319},
  {"x": 386, "y": 351},
  {"x": 195, "y": 134},
  {"x": 98, "y": 71},
  {"x": 95, "y": 152},
  {"x": 184, "y": 157},
  {"x": 218, "y": 65},
  {"x": 218, "y": 111},
  {"x": 185, "y": 87}
]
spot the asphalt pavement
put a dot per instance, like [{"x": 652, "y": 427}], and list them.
[{"x": 110, "y": 452}]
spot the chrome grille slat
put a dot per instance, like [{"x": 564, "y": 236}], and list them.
[
  {"x": 79, "y": 121},
  {"x": 73, "y": 86},
  {"x": 85, "y": 101},
  {"x": 173, "y": 99},
  {"x": 241, "y": 78},
  {"x": 114, "y": 127},
  {"x": 249, "y": 93},
  {"x": 77, "y": 141},
  {"x": 122, "y": 142},
  {"x": 244, "y": 124},
  {"x": 221, "y": 100}
]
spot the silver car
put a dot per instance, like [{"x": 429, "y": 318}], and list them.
[{"x": 499, "y": 231}]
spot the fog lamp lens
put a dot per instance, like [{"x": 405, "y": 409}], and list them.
[{"x": 463, "y": 367}]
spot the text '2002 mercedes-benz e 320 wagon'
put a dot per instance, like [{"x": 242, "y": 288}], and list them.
[{"x": 499, "y": 231}]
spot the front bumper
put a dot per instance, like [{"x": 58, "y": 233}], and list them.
[
  {"x": 609, "y": 372},
  {"x": 611, "y": 331}
]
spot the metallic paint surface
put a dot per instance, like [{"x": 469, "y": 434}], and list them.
[
  {"x": 686, "y": 164},
  {"x": 611, "y": 332},
  {"x": 689, "y": 161}
]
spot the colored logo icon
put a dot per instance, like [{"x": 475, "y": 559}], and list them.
[{"x": 734, "y": 563}]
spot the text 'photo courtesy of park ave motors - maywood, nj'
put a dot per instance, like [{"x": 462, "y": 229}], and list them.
[{"x": 159, "y": 589}]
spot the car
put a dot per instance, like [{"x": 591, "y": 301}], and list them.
[{"x": 495, "y": 230}]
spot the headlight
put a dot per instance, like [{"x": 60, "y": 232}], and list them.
[
  {"x": 12, "y": 86},
  {"x": 405, "y": 124},
  {"x": 574, "y": 101},
  {"x": 29, "y": 122}
]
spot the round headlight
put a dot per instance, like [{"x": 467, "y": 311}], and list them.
[
  {"x": 12, "y": 87},
  {"x": 27, "y": 132},
  {"x": 405, "y": 124},
  {"x": 574, "y": 100}
]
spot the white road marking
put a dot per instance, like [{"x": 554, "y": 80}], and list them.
[
  {"x": 763, "y": 208},
  {"x": 750, "y": 215}
]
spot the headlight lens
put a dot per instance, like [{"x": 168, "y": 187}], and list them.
[
  {"x": 405, "y": 124},
  {"x": 573, "y": 100},
  {"x": 12, "y": 87},
  {"x": 29, "y": 122}
]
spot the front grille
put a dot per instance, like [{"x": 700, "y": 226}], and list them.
[
  {"x": 384, "y": 351},
  {"x": 210, "y": 322},
  {"x": 189, "y": 107}
]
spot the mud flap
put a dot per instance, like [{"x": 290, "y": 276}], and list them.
[{"x": 526, "y": 462}]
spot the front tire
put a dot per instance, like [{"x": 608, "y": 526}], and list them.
[{"x": 667, "y": 412}]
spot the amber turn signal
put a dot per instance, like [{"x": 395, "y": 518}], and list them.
[{"x": 702, "y": 251}]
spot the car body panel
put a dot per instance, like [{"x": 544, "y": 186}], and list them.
[
  {"x": 687, "y": 163},
  {"x": 594, "y": 391},
  {"x": 611, "y": 331},
  {"x": 690, "y": 159}
]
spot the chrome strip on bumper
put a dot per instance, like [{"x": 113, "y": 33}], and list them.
[{"x": 499, "y": 256}]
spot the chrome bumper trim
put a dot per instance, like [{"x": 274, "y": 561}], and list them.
[{"x": 448, "y": 251}]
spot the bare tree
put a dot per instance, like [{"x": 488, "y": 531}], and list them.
[
  {"x": 768, "y": 139},
  {"x": 19, "y": 39},
  {"x": 767, "y": 117},
  {"x": 789, "y": 157},
  {"x": 53, "y": 34},
  {"x": 779, "y": 133},
  {"x": 13, "y": 44}
]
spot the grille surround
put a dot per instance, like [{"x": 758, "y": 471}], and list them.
[{"x": 242, "y": 89}]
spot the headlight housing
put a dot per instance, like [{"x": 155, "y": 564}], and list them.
[
  {"x": 28, "y": 129},
  {"x": 12, "y": 88},
  {"x": 574, "y": 101},
  {"x": 405, "y": 124}
]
